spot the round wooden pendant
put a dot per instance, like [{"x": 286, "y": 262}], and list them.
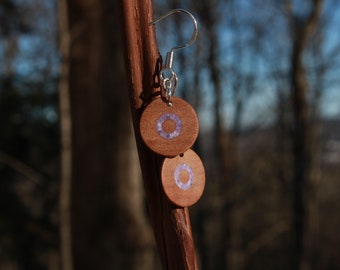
[
  {"x": 183, "y": 178},
  {"x": 169, "y": 130}
]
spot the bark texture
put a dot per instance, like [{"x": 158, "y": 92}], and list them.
[{"x": 171, "y": 224}]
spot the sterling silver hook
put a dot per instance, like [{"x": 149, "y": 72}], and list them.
[
  {"x": 167, "y": 76},
  {"x": 194, "y": 34}
]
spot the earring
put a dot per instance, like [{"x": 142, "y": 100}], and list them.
[
  {"x": 169, "y": 127},
  {"x": 183, "y": 178}
]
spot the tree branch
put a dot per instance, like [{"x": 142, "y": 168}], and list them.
[{"x": 171, "y": 224}]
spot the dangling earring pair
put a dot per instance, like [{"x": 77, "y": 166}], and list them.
[{"x": 169, "y": 127}]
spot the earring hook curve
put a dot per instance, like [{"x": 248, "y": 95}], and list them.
[
  {"x": 167, "y": 76},
  {"x": 194, "y": 21}
]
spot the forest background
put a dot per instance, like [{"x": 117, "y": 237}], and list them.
[{"x": 264, "y": 79}]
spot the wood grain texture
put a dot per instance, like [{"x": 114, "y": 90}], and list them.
[
  {"x": 178, "y": 131},
  {"x": 183, "y": 178},
  {"x": 171, "y": 224}
]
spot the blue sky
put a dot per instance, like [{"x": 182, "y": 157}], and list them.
[{"x": 271, "y": 54}]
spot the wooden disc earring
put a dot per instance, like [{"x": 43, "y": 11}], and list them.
[
  {"x": 169, "y": 130},
  {"x": 169, "y": 127},
  {"x": 183, "y": 178}
]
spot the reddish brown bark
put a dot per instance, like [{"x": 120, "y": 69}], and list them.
[{"x": 171, "y": 224}]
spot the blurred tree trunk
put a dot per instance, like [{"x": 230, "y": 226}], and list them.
[
  {"x": 109, "y": 226},
  {"x": 66, "y": 141},
  {"x": 224, "y": 250},
  {"x": 302, "y": 29}
]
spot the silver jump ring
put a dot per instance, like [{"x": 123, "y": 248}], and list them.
[
  {"x": 169, "y": 81},
  {"x": 169, "y": 85}
]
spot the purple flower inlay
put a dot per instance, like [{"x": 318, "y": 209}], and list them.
[
  {"x": 162, "y": 132},
  {"x": 180, "y": 184}
]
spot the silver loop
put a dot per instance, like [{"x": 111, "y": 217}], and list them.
[
  {"x": 169, "y": 81},
  {"x": 168, "y": 86},
  {"x": 165, "y": 72}
]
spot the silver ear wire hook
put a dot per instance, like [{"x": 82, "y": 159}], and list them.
[
  {"x": 167, "y": 76},
  {"x": 193, "y": 37}
]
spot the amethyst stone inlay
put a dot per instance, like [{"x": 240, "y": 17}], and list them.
[
  {"x": 162, "y": 132},
  {"x": 180, "y": 184}
]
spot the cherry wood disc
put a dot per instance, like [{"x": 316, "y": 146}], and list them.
[
  {"x": 183, "y": 178},
  {"x": 169, "y": 130}
]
